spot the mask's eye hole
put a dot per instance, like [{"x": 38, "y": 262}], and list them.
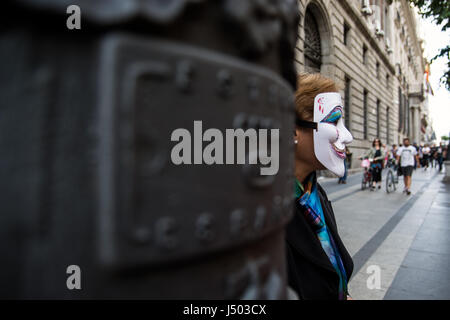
[
  {"x": 334, "y": 116},
  {"x": 335, "y": 122}
]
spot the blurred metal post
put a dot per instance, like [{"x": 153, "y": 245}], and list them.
[{"x": 85, "y": 171}]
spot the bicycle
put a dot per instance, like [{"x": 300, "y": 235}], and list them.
[
  {"x": 367, "y": 175},
  {"x": 391, "y": 176}
]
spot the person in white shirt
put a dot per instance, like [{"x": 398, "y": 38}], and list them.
[{"x": 406, "y": 155}]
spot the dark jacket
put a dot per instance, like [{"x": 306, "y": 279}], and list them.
[{"x": 310, "y": 272}]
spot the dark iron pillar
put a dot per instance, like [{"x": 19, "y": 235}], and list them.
[{"x": 86, "y": 118}]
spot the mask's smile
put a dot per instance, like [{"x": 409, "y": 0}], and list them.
[{"x": 339, "y": 152}]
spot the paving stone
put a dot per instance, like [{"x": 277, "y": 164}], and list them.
[
  {"x": 396, "y": 294},
  {"x": 420, "y": 282},
  {"x": 432, "y": 240},
  {"x": 427, "y": 260}
]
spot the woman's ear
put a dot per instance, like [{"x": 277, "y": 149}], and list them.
[{"x": 296, "y": 135}]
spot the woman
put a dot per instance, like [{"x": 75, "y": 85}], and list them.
[
  {"x": 319, "y": 266},
  {"x": 377, "y": 154}
]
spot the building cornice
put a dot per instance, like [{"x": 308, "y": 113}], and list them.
[
  {"x": 412, "y": 30},
  {"x": 362, "y": 27}
]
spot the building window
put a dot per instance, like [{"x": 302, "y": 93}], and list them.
[
  {"x": 365, "y": 120},
  {"x": 387, "y": 80},
  {"x": 386, "y": 19},
  {"x": 388, "y": 124},
  {"x": 313, "y": 50},
  {"x": 377, "y": 70},
  {"x": 387, "y": 26},
  {"x": 364, "y": 56},
  {"x": 378, "y": 118},
  {"x": 406, "y": 104},
  {"x": 400, "y": 110},
  {"x": 346, "y": 34},
  {"x": 347, "y": 102}
]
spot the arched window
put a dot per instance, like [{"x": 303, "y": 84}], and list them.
[{"x": 313, "y": 50}]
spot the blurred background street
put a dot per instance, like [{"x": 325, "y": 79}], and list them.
[{"x": 406, "y": 236}]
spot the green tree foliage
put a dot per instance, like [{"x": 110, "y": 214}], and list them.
[{"x": 439, "y": 12}]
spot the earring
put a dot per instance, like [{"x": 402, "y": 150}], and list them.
[{"x": 295, "y": 141}]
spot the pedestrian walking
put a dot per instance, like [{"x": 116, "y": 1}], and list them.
[
  {"x": 319, "y": 266},
  {"x": 347, "y": 162},
  {"x": 440, "y": 155},
  {"x": 377, "y": 154},
  {"x": 433, "y": 155},
  {"x": 393, "y": 152},
  {"x": 426, "y": 153},
  {"x": 418, "y": 150},
  {"x": 406, "y": 156}
]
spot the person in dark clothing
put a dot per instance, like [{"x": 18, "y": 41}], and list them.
[
  {"x": 433, "y": 155},
  {"x": 440, "y": 155},
  {"x": 376, "y": 154},
  {"x": 415, "y": 145},
  {"x": 347, "y": 164},
  {"x": 319, "y": 266}
]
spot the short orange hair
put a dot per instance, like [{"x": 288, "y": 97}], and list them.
[{"x": 309, "y": 85}]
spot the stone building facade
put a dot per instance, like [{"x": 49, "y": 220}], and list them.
[{"x": 372, "y": 50}]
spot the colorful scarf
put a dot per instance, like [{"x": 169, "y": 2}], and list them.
[{"x": 308, "y": 198}]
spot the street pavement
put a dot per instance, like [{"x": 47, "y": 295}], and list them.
[{"x": 405, "y": 238}]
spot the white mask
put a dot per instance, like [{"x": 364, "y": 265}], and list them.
[{"x": 331, "y": 135}]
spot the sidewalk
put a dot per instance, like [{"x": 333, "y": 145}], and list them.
[
  {"x": 425, "y": 271},
  {"x": 406, "y": 237}
]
